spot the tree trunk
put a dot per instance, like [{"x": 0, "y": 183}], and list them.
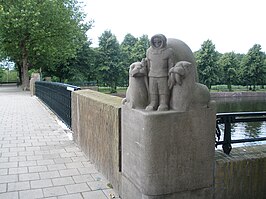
[
  {"x": 25, "y": 76},
  {"x": 18, "y": 64}
]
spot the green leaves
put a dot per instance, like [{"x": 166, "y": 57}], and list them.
[
  {"x": 206, "y": 59},
  {"x": 254, "y": 69},
  {"x": 50, "y": 32}
]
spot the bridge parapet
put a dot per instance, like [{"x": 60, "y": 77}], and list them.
[{"x": 241, "y": 174}]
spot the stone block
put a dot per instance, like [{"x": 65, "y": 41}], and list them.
[{"x": 167, "y": 153}]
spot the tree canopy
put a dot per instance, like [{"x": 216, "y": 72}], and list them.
[
  {"x": 207, "y": 58},
  {"x": 254, "y": 68},
  {"x": 41, "y": 33}
]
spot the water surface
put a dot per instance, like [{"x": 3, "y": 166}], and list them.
[{"x": 244, "y": 130}]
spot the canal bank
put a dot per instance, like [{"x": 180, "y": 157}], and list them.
[{"x": 237, "y": 94}]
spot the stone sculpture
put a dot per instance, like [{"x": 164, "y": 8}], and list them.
[
  {"x": 166, "y": 78},
  {"x": 137, "y": 91}
]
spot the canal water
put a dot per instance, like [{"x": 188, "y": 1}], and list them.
[{"x": 244, "y": 130}]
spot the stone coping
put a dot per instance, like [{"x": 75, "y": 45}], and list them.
[
  {"x": 241, "y": 153},
  {"x": 238, "y": 94}
]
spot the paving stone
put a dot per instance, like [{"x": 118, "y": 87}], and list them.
[
  {"x": 63, "y": 181},
  {"x": 45, "y": 162},
  {"x": 18, "y": 170},
  {"x": 17, "y": 186},
  {"x": 37, "y": 168},
  {"x": 83, "y": 178},
  {"x": 98, "y": 185},
  {"x": 9, "y": 195},
  {"x": 41, "y": 183},
  {"x": 8, "y": 165},
  {"x": 69, "y": 172},
  {"x": 34, "y": 157},
  {"x": 3, "y": 188},
  {"x": 74, "y": 165},
  {"x": 54, "y": 191},
  {"x": 81, "y": 187},
  {"x": 110, "y": 192},
  {"x": 31, "y": 194},
  {"x": 29, "y": 176},
  {"x": 17, "y": 159},
  {"x": 94, "y": 195},
  {"x": 3, "y": 171},
  {"x": 72, "y": 196},
  {"x": 8, "y": 178},
  {"x": 56, "y": 167},
  {"x": 49, "y": 174},
  {"x": 88, "y": 170},
  {"x": 27, "y": 163}
]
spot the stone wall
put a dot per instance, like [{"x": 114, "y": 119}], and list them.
[
  {"x": 242, "y": 174},
  {"x": 96, "y": 127}
]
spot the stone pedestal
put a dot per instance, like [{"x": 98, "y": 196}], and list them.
[
  {"x": 34, "y": 77},
  {"x": 168, "y": 155}
]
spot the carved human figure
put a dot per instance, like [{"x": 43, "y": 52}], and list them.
[{"x": 159, "y": 61}]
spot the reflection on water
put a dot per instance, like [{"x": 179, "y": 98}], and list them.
[{"x": 244, "y": 130}]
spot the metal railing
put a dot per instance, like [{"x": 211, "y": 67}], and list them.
[
  {"x": 57, "y": 96},
  {"x": 227, "y": 119}
]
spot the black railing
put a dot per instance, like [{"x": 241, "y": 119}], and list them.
[
  {"x": 57, "y": 96},
  {"x": 227, "y": 119}
]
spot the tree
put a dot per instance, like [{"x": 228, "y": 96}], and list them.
[
  {"x": 110, "y": 69},
  {"x": 206, "y": 59},
  {"x": 228, "y": 63},
  {"x": 83, "y": 67},
  {"x": 140, "y": 48},
  {"x": 132, "y": 50},
  {"x": 41, "y": 33},
  {"x": 1, "y": 73},
  {"x": 126, "y": 49},
  {"x": 254, "y": 68}
]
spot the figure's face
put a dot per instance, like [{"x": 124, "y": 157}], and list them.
[{"x": 157, "y": 42}]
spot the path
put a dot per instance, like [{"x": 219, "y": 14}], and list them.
[{"x": 38, "y": 158}]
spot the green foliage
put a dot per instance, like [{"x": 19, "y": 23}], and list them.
[
  {"x": 110, "y": 69},
  {"x": 41, "y": 33},
  {"x": 228, "y": 63},
  {"x": 206, "y": 59},
  {"x": 132, "y": 50},
  {"x": 254, "y": 68},
  {"x": 140, "y": 48},
  {"x": 8, "y": 75},
  {"x": 1, "y": 73}
]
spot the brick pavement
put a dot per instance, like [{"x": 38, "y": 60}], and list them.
[{"x": 38, "y": 158}]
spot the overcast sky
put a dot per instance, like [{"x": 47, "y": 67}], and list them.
[{"x": 232, "y": 25}]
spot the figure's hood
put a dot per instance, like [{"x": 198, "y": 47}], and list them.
[{"x": 164, "y": 40}]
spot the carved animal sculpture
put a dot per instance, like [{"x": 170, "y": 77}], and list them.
[
  {"x": 186, "y": 93},
  {"x": 137, "y": 91}
]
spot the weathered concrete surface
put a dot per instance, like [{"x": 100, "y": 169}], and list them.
[
  {"x": 168, "y": 154},
  {"x": 96, "y": 127},
  {"x": 242, "y": 174}
]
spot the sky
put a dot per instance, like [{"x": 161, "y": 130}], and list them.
[{"x": 231, "y": 25}]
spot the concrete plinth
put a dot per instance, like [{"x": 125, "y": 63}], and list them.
[{"x": 168, "y": 154}]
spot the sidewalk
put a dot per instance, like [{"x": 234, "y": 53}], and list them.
[{"x": 38, "y": 159}]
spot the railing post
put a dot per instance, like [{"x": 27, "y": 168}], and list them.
[{"x": 227, "y": 135}]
